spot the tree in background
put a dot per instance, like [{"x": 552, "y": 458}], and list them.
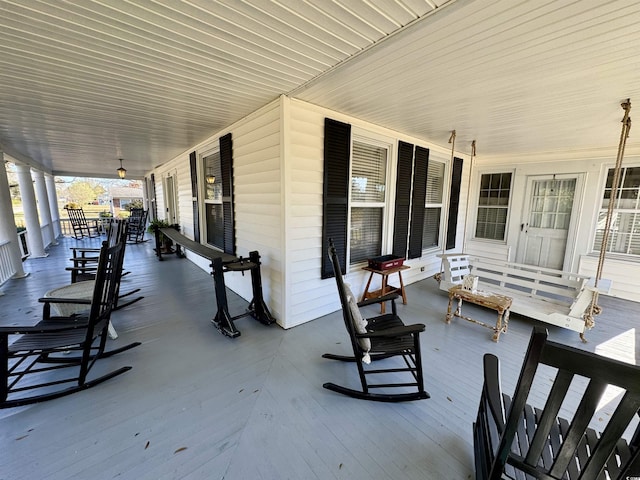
[
  {"x": 137, "y": 203},
  {"x": 83, "y": 193}
]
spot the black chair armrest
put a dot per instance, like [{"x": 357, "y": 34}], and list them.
[
  {"x": 373, "y": 301},
  {"x": 493, "y": 389},
  {"x": 42, "y": 327},
  {"x": 81, "y": 269},
  {"x": 84, "y": 249},
  {"x": 77, "y": 301},
  {"x": 394, "y": 331}
]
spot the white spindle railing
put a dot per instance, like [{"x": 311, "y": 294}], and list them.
[{"x": 6, "y": 265}]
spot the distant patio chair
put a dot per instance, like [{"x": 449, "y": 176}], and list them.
[
  {"x": 35, "y": 366},
  {"x": 137, "y": 225},
  {"x": 85, "y": 261},
  {"x": 82, "y": 228}
]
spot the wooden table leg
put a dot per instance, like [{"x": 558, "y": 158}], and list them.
[
  {"x": 383, "y": 305},
  {"x": 447, "y": 319},
  {"x": 404, "y": 294},
  {"x": 498, "y": 330},
  {"x": 366, "y": 289}
]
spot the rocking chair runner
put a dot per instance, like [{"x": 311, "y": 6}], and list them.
[
  {"x": 79, "y": 224},
  {"x": 516, "y": 441},
  {"x": 375, "y": 339},
  {"x": 37, "y": 361}
]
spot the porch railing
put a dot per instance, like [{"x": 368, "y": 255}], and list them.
[{"x": 6, "y": 266}]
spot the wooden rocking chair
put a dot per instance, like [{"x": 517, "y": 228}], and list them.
[
  {"x": 517, "y": 441},
  {"x": 79, "y": 224},
  {"x": 36, "y": 364},
  {"x": 85, "y": 261},
  {"x": 372, "y": 340},
  {"x": 137, "y": 225}
]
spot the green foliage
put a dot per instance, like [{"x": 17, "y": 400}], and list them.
[
  {"x": 137, "y": 203},
  {"x": 82, "y": 192},
  {"x": 156, "y": 224}
]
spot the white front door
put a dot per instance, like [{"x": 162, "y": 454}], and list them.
[
  {"x": 170, "y": 198},
  {"x": 547, "y": 221}
]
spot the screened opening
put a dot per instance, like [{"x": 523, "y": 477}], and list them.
[
  {"x": 624, "y": 234},
  {"x": 368, "y": 195},
  {"x": 433, "y": 205}
]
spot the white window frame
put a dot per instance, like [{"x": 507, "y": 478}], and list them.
[
  {"x": 434, "y": 157},
  {"x": 601, "y": 211},
  {"x": 214, "y": 149},
  {"x": 473, "y": 220},
  {"x": 388, "y": 143}
]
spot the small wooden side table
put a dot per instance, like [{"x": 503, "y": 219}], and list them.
[
  {"x": 386, "y": 288},
  {"x": 494, "y": 301}
]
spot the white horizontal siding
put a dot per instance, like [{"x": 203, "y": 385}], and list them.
[
  {"x": 625, "y": 275},
  {"x": 309, "y": 296}
]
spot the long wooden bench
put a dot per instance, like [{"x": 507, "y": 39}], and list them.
[
  {"x": 220, "y": 263},
  {"x": 552, "y": 296}
]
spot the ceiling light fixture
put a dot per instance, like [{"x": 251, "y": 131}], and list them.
[{"x": 122, "y": 172}]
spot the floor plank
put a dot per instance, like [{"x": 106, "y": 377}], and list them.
[{"x": 199, "y": 405}]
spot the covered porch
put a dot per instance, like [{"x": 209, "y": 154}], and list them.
[{"x": 199, "y": 405}]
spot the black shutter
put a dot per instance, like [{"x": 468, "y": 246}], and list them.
[
  {"x": 454, "y": 203},
  {"x": 194, "y": 195},
  {"x": 154, "y": 200},
  {"x": 335, "y": 200},
  {"x": 420, "y": 168},
  {"x": 403, "y": 199},
  {"x": 226, "y": 163}
]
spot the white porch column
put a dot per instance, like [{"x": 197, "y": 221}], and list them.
[
  {"x": 43, "y": 207},
  {"x": 8, "y": 231},
  {"x": 34, "y": 234},
  {"x": 53, "y": 205}
]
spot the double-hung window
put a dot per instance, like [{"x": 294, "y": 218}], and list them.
[
  {"x": 433, "y": 205},
  {"x": 369, "y": 164},
  {"x": 214, "y": 216},
  {"x": 624, "y": 233},
  {"x": 493, "y": 206}
]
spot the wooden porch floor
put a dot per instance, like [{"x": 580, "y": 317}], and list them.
[{"x": 199, "y": 405}]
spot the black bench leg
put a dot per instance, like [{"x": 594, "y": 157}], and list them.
[
  {"x": 222, "y": 320},
  {"x": 258, "y": 308},
  {"x": 158, "y": 247}
]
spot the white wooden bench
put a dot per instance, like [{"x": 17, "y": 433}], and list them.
[{"x": 552, "y": 296}]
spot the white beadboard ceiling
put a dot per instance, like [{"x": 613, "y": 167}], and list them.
[{"x": 85, "y": 82}]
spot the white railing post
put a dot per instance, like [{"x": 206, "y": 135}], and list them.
[
  {"x": 36, "y": 245},
  {"x": 11, "y": 260},
  {"x": 53, "y": 205}
]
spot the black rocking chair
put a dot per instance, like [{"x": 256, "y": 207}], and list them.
[
  {"x": 37, "y": 363},
  {"x": 517, "y": 441},
  {"x": 376, "y": 339},
  {"x": 85, "y": 261},
  {"x": 81, "y": 227},
  {"x": 137, "y": 225}
]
